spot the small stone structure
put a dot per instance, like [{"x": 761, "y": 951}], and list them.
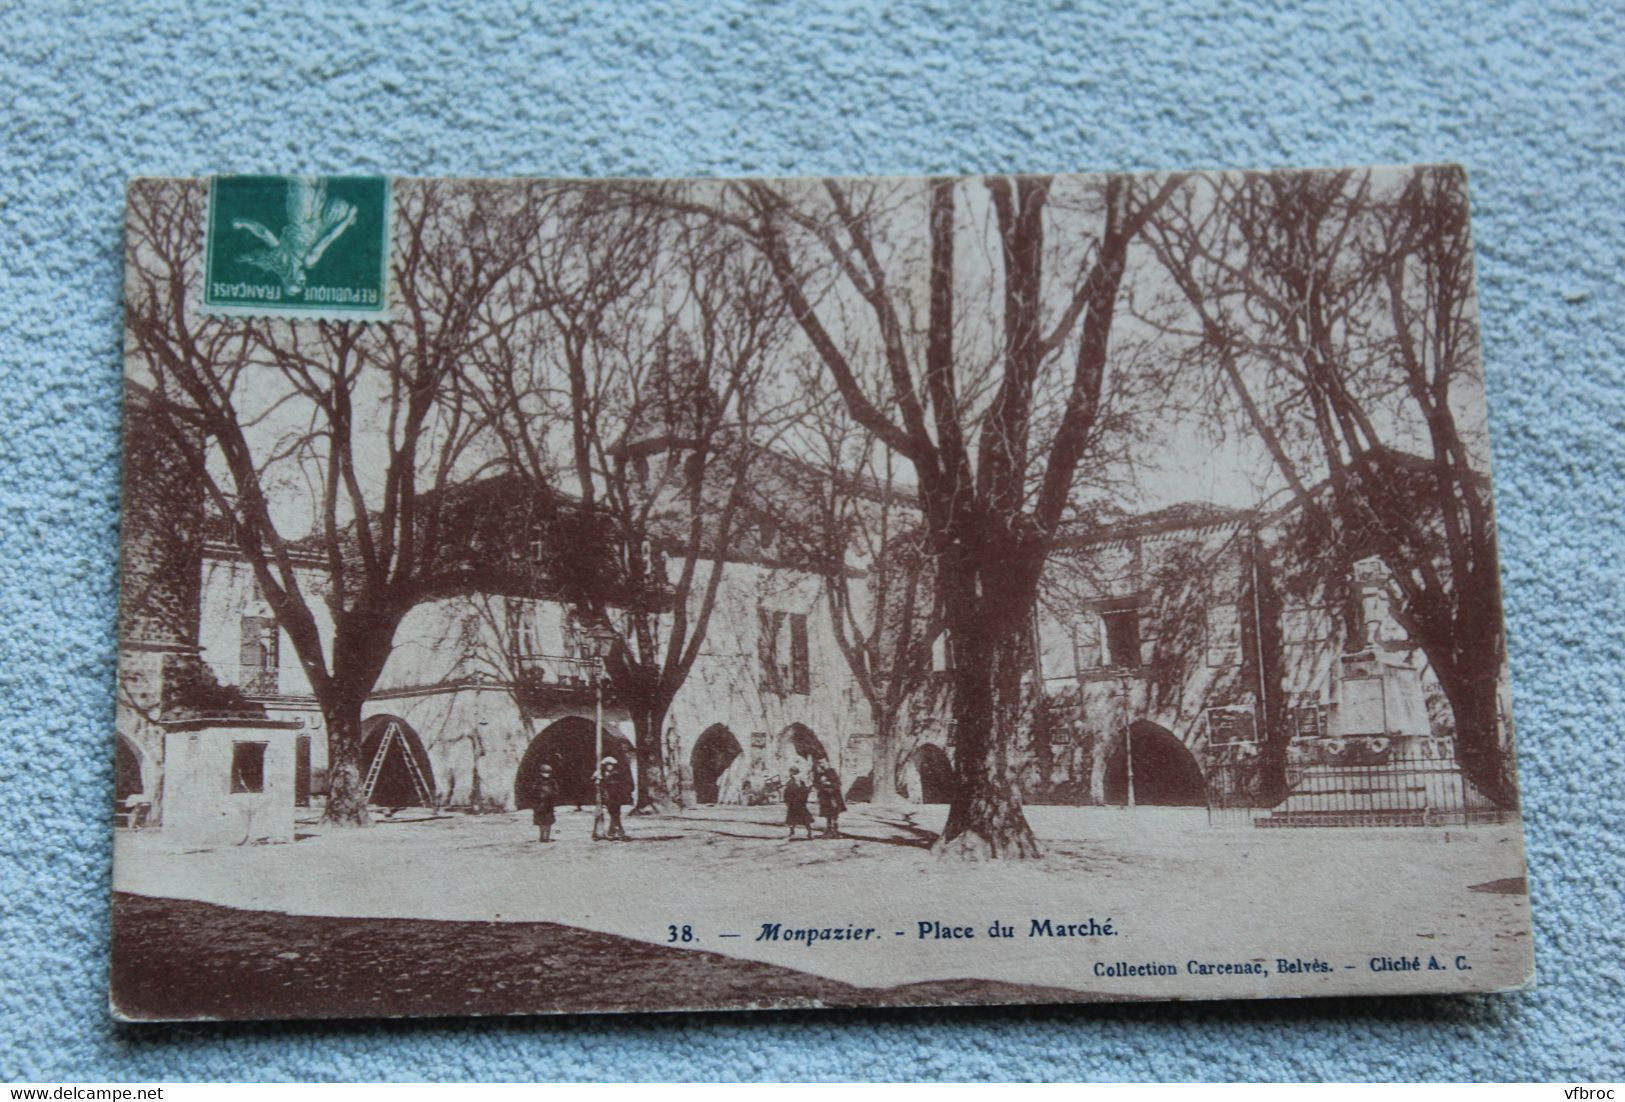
[
  {"x": 229, "y": 781},
  {"x": 1377, "y": 762}
]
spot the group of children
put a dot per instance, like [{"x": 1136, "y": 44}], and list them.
[
  {"x": 827, "y": 783},
  {"x": 617, "y": 789}
]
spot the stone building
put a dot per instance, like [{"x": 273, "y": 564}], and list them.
[
  {"x": 1200, "y": 656},
  {"x": 185, "y": 738},
  {"x": 482, "y": 690},
  {"x": 1147, "y": 636},
  {"x": 216, "y": 716}
]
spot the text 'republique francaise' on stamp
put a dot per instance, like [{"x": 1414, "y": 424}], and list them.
[
  {"x": 304, "y": 247},
  {"x": 546, "y": 596}
]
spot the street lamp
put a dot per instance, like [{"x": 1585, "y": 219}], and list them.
[{"x": 600, "y": 641}]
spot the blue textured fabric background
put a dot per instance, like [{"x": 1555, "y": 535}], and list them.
[{"x": 1529, "y": 97}]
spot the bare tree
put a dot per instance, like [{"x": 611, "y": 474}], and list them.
[
  {"x": 992, "y": 380},
  {"x": 656, "y": 333},
  {"x": 851, "y": 519},
  {"x": 361, "y": 425},
  {"x": 1339, "y": 309}
]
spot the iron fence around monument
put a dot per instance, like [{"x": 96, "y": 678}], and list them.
[{"x": 1339, "y": 785}]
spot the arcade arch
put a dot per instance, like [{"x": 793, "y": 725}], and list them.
[
  {"x": 927, "y": 776},
  {"x": 717, "y": 766},
  {"x": 1165, "y": 771},
  {"x": 396, "y": 781},
  {"x": 798, "y": 741},
  {"x": 568, "y": 746},
  {"x": 128, "y": 779}
]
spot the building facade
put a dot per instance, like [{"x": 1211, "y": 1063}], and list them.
[
  {"x": 1184, "y": 657},
  {"x": 479, "y": 691}
]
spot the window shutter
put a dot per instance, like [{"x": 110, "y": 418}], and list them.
[
  {"x": 1223, "y": 635},
  {"x": 767, "y": 648},
  {"x": 248, "y": 648},
  {"x": 800, "y": 668},
  {"x": 1086, "y": 642}
]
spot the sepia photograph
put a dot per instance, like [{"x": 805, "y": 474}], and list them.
[{"x": 551, "y": 595}]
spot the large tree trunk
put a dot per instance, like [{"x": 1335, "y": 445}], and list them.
[
  {"x": 1265, "y": 655},
  {"x": 985, "y": 818},
  {"x": 1473, "y": 696},
  {"x": 655, "y": 796},
  {"x": 361, "y": 645},
  {"x": 883, "y": 775},
  {"x": 346, "y": 800}
]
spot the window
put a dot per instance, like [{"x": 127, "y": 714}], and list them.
[
  {"x": 782, "y": 645},
  {"x": 526, "y": 641},
  {"x": 257, "y": 654},
  {"x": 258, "y": 642},
  {"x": 1121, "y": 628},
  {"x": 248, "y": 767},
  {"x": 577, "y": 645},
  {"x": 1305, "y": 624},
  {"x": 1108, "y": 637},
  {"x": 1086, "y": 650},
  {"x": 1223, "y": 635}
]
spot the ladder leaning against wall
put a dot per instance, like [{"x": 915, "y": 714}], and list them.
[{"x": 419, "y": 782}]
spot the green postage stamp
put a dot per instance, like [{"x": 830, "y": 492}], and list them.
[{"x": 298, "y": 247}]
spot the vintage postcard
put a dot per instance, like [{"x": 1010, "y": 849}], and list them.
[{"x": 569, "y": 596}]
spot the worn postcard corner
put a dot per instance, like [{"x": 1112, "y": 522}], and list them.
[{"x": 547, "y": 596}]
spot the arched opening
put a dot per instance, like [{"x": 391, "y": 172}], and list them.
[
  {"x": 127, "y": 779},
  {"x": 798, "y": 741},
  {"x": 927, "y": 776},
  {"x": 396, "y": 764},
  {"x": 717, "y": 765},
  {"x": 1165, "y": 772},
  {"x": 569, "y": 747}
]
